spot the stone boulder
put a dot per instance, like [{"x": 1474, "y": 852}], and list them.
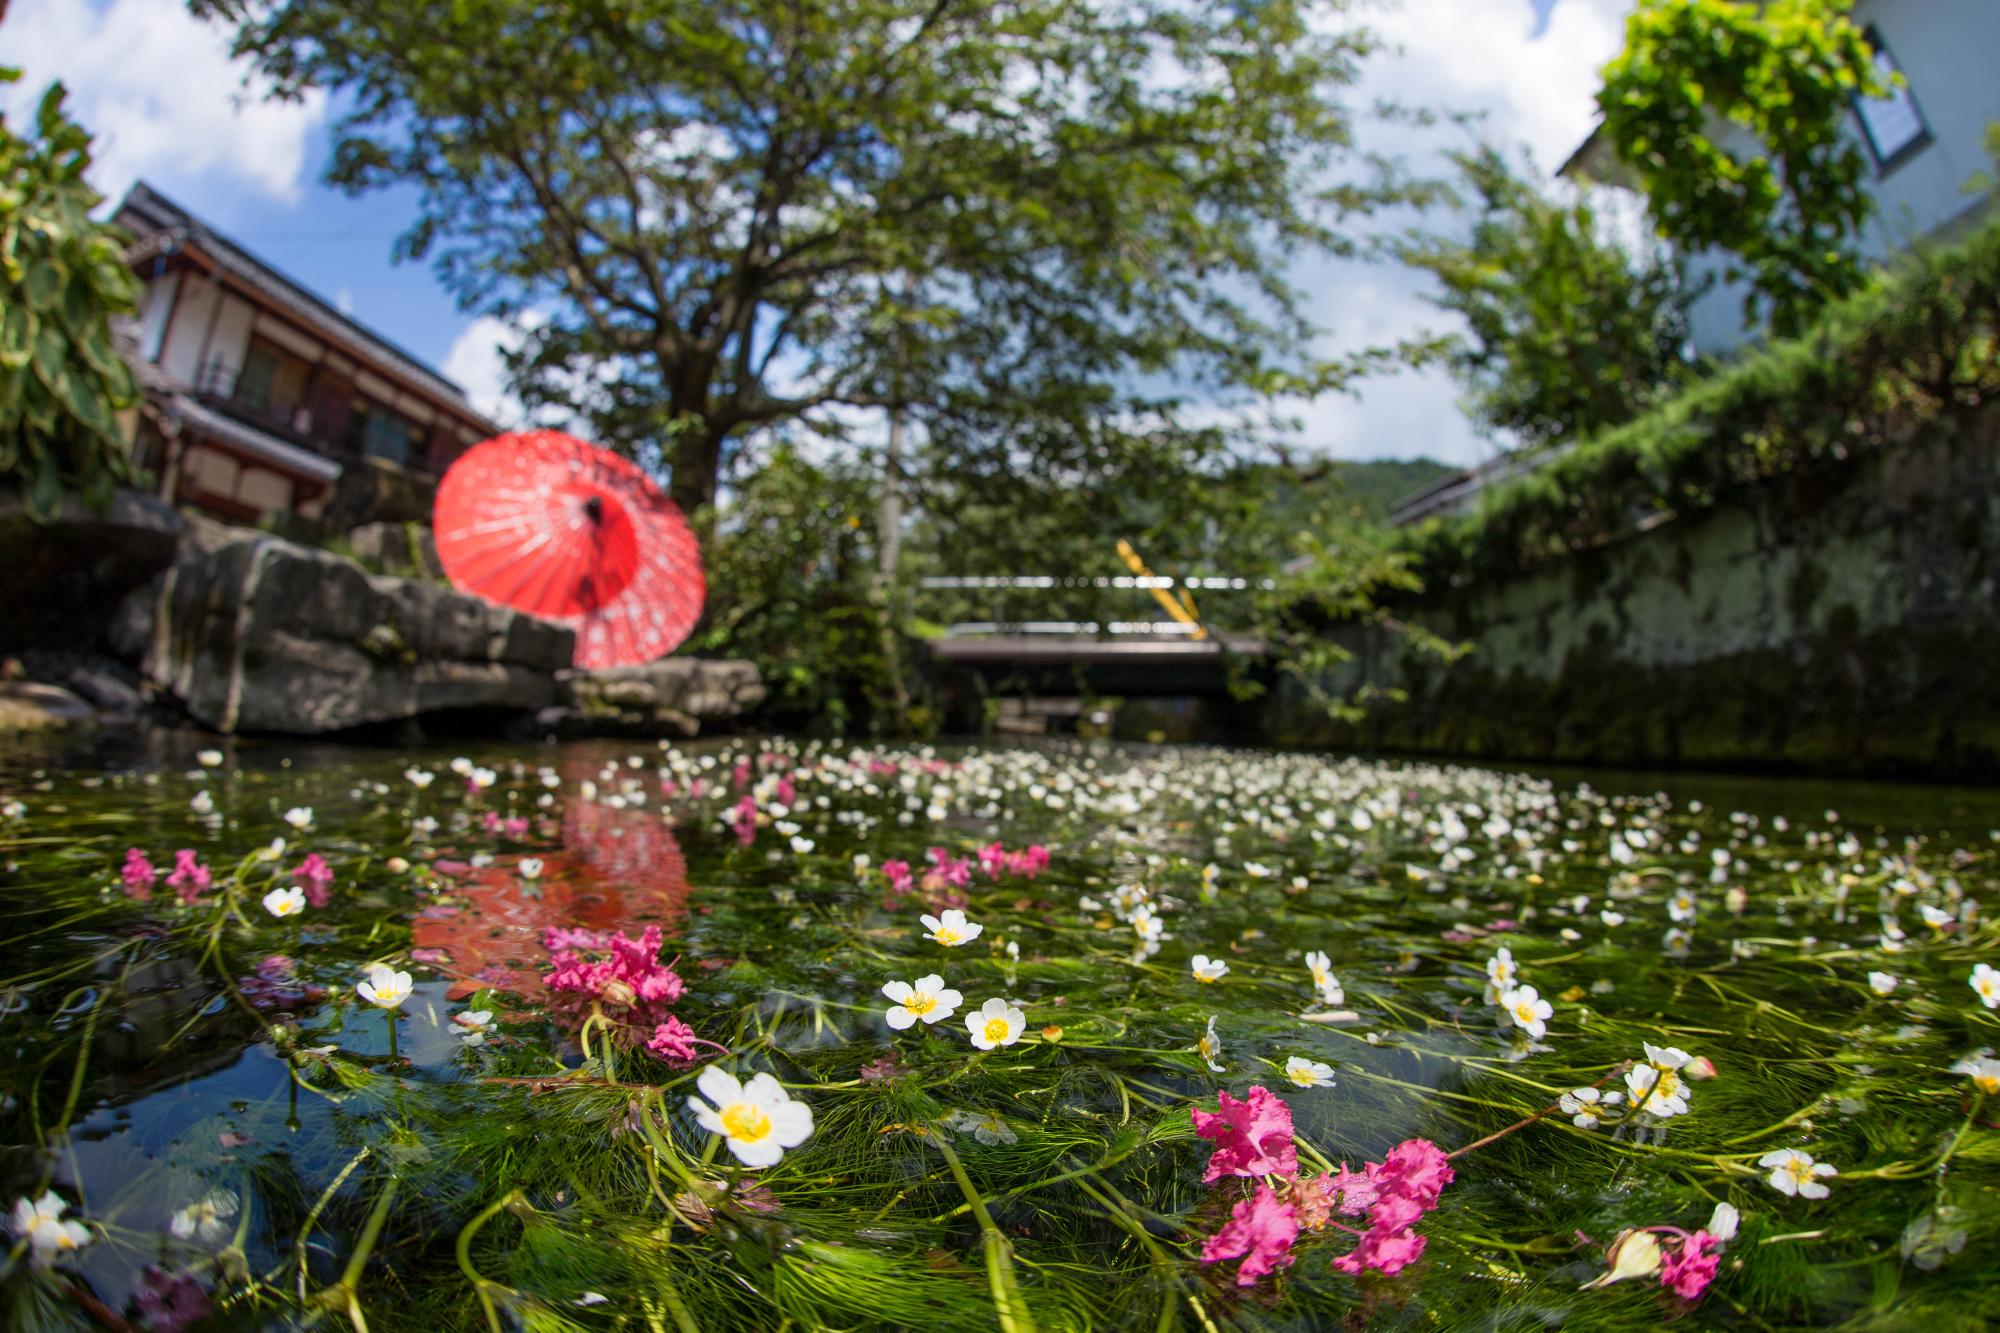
[
  {"x": 28, "y": 708},
  {"x": 407, "y": 549},
  {"x": 64, "y": 577},
  {"x": 676, "y": 695},
  {"x": 261, "y": 635}
]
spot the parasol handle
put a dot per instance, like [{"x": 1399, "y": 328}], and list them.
[{"x": 593, "y": 508}]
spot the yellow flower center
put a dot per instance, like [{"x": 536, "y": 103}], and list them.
[
  {"x": 920, "y": 1003},
  {"x": 1987, "y": 1083},
  {"x": 1800, "y": 1169},
  {"x": 996, "y": 1030},
  {"x": 1524, "y": 1013},
  {"x": 745, "y": 1121},
  {"x": 1302, "y": 1077},
  {"x": 1207, "y": 1048},
  {"x": 945, "y": 935}
]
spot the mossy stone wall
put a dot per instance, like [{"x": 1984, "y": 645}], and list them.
[{"x": 1840, "y": 620}]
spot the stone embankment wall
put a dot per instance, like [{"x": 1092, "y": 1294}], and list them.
[{"x": 1843, "y": 621}]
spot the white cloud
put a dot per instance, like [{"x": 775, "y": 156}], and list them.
[
  {"x": 1483, "y": 55},
  {"x": 1537, "y": 91},
  {"x": 475, "y": 363},
  {"x": 160, "y": 93}
]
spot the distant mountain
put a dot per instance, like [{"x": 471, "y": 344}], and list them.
[{"x": 1371, "y": 487}]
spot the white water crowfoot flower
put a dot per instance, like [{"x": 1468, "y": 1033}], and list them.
[
  {"x": 758, "y": 1119},
  {"x": 208, "y": 758},
  {"x": 1209, "y": 1047},
  {"x": 987, "y": 1128},
  {"x": 1207, "y": 970},
  {"x": 1983, "y": 1070},
  {"x": 950, "y": 928},
  {"x": 1585, "y": 1107},
  {"x": 995, "y": 1023},
  {"x": 1657, "y": 1087},
  {"x": 41, "y": 1224},
  {"x": 282, "y": 903},
  {"x": 1985, "y": 983},
  {"x": 385, "y": 986},
  {"x": 1501, "y": 971},
  {"x": 1794, "y": 1172},
  {"x": 419, "y": 778},
  {"x": 206, "y": 1221},
  {"x": 300, "y": 817},
  {"x": 1306, "y": 1073},
  {"x": 927, "y": 998},
  {"x": 529, "y": 867},
  {"x": 1527, "y": 1010},
  {"x": 1329, "y": 987},
  {"x": 473, "y": 1025},
  {"x": 1882, "y": 983}
]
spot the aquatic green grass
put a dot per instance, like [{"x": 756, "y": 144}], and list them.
[{"x": 514, "y": 1184}]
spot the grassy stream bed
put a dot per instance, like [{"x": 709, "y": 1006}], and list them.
[{"x": 779, "y": 1035}]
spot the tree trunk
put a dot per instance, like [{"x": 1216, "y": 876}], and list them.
[{"x": 696, "y": 458}]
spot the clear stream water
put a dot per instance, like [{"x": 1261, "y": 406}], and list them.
[{"x": 243, "y": 1143}]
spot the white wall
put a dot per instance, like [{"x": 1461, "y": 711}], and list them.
[
  {"x": 198, "y": 329},
  {"x": 154, "y": 308},
  {"x": 1949, "y": 51}
]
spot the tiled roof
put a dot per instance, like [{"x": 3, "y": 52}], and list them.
[
  {"x": 147, "y": 213},
  {"x": 217, "y": 426}
]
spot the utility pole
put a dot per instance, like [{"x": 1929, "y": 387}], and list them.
[{"x": 889, "y": 534}]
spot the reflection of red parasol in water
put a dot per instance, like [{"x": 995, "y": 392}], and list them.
[
  {"x": 618, "y": 870},
  {"x": 547, "y": 524}
]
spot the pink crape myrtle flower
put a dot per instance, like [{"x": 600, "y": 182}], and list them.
[
  {"x": 901, "y": 881},
  {"x": 190, "y": 878},
  {"x": 675, "y": 1040},
  {"x": 743, "y": 819},
  {"x": 947, "y": 870},
  {"x": 1395, "y": 1193},
  {"x": 1388, "y": 1252},
  {"x": 137, "y": 874},
  {"x": 1687, "y": 1270},
  {"x": 1252, "y": 1137},
  {"x": 628, "y": 985},
  {"x": 557, "y": 938},
  {"x": 315, "y": 877},
  {"x": 1260, "y": 1232}
]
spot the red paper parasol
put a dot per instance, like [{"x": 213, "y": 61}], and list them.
[{"x": 542, "y": 522}]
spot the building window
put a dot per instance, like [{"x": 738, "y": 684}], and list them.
[
  {"x": 1894, "y": 125},
  {"x": 376, "y": 431},
  {"x": 272, "y": 381}
]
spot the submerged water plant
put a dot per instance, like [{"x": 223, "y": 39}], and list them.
[{"x": 1198, "y": 1039}]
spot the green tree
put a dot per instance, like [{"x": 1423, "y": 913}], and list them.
[
  {"x": 61, "y": 280},
  {"x": 1732, "y": 117},
  {"x": 730, "y": 216},
  {"x": 791, "y": 587},
  {"x": 1569, "y": 331}
]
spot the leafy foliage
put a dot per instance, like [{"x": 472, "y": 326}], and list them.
[
  {"x": 61, "y": 281},
  {"x": 1570, "y": 331},
  {"x": 723, "y": 217},
  {"x": 1698, "y": 76},
  {"x": 791, "y": 565},
  {"x": 1882, "y": 367}
]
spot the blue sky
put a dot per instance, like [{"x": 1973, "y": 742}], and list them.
[{"x": 168, "y": 105}]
